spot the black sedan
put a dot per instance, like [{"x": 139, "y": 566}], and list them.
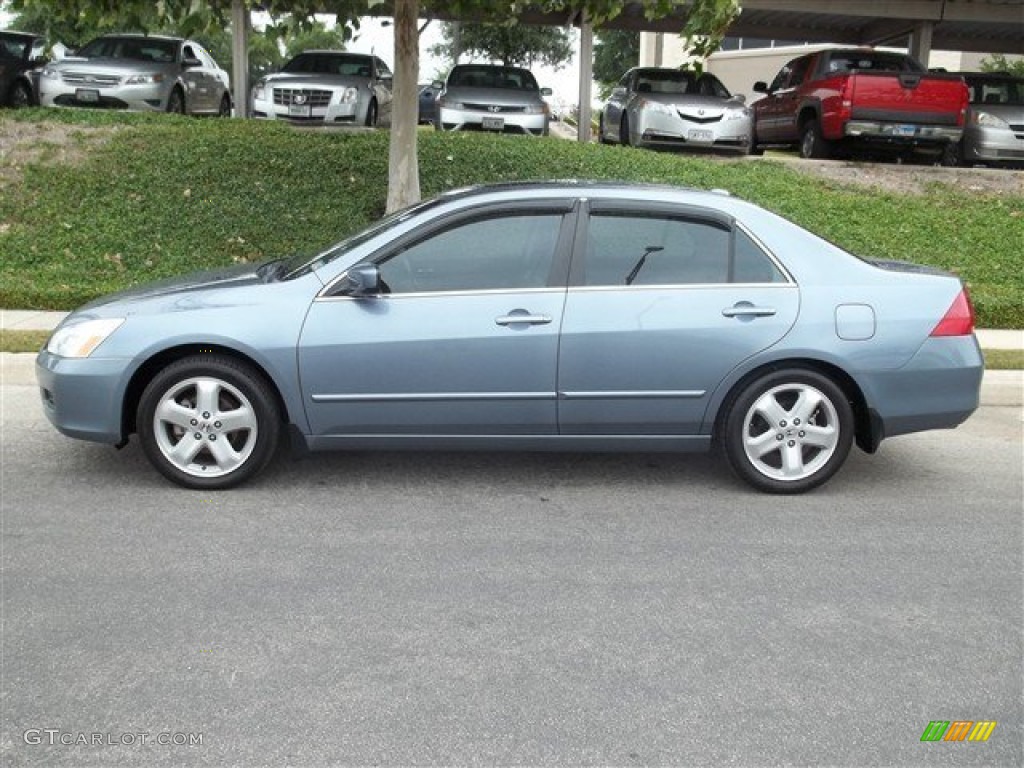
[{"x": 20, "y": 54}]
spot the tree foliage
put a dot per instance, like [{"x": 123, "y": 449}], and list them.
[
  {"x": 615, "y": 51},
  {"x": 998, "y": 62},
  {"x": 514, "y": 45}
]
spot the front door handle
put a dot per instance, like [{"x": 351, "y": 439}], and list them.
[
  {"x": 745, "y": 309},
  {"x": 522, "y": 317}
]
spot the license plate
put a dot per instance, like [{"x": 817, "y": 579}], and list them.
[
  {"x": 87, "y": 95},
  {"x": 298, "y": 110},
  {"x": 493, "y": 123},
  {"x": 705, "y": 137},
  {"x": 905, "y": 130}
]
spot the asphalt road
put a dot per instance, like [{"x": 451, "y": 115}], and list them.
[{"x": 510, "y": 609}]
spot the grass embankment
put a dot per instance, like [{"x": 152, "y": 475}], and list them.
[{"x": 164, "y": 195}]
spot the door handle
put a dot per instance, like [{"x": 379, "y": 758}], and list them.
[
  {"x": 748, "y": 310},
  {"x": 523, "y": 319}
]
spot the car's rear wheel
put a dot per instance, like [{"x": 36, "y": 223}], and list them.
[
  {"x": 225, "y": 106},
  {"x": 208, "y": 422},
  {"x": 20, "y": 96},
  {"x": 813, "y": 146},
  {"x": 176, "y": 102},
  {"x": 788, "y": 431},
  {"x": 371, "y": 114},
  {"x": 624, "y": 131},
  {"x": 601, "y": 138}
]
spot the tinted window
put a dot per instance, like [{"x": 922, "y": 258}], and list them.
[
  {"x": 665, "y": 81},
  {"x": 871, "y": 60},
  {"x": 504, "y": 253},
  {"x": 994, "y": 91},
  {"x": 492, "y": 77},
  {"x": 330, "y": 64},
  {"x": 136, "y": 48},
  {"x": 630, "y": 249}
]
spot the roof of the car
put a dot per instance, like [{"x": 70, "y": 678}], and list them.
[
  {"x": 15, "y": 33},
  {"x": 140, "y": 36},
  {"x": 574, "y": 186},
  {"x": 987, "y": 75},
  {"x": 334, "y": 52},
  {"x": 487, "y": 66}
]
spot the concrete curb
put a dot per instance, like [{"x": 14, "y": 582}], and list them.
[{"x": 998, "y": 388}]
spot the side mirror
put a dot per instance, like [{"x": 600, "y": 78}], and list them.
[
  {"x": 760, "y": 87},
  {"x": 546, "y": 91},
  {"x": 191, "y": 63},
  {"x": 437, "y": 85},
  {"x": 740, "y": 97},
  {"x": 362, "y": 280},
  {"x": 618, "y": 92}
]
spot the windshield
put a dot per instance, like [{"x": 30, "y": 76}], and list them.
[
  {"x": 846, "y": 61},
  {"x": 665, "y": 81},
  {"x": 134, "y": 48},
  {"x": 329, "y": 64},
  {"x": 300, "y": 265},
  {"x": 492, "y": 77},
  {"x": 1009, "y": 91}
]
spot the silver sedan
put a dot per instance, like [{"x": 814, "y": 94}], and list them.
[
  {"x": 144, "y": 73},
  {"x": 327, "y": 87},
  {"x": 489, "y": 97},
  {"x": 653, "y": 107},
  {"x": 548, "y": 316}
]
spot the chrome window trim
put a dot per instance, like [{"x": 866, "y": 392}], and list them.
[
  {"x": 633, "y": 395},
  {"x": 425, "y": 294},
  {"x": 423, "y": 397},
  {"x": 677, "y": 287}
]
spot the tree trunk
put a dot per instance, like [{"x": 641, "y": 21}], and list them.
[{"x": 403, "y": 163}]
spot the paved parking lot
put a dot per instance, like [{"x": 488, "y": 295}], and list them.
[{"x": 511, "y": 609}]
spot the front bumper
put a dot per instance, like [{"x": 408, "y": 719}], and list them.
[
  {"x": 82, "y": 397},
  {"x": 137, "y": 98},
  {"x": 985, "y": 144},
  {"x": 321, "y": 105},
  {"x": 532, "y": 123},
  {"x": 664, "y": 129}
]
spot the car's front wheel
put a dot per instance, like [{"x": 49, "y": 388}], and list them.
[
  {"x": 371, "y": 114},
  {"x": 20, "y": 96},
  {"x": 224, "y": 110},
  {"x": 208, "y": 422},
  {"x": 788, "y": 431},
  {"x": 176, "y": 101}
]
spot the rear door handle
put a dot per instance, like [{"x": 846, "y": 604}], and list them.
[
  {"x": 748, "y": 310},
  {"x": 523, "y": 319}
]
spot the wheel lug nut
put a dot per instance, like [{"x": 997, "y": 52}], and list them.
[
  {"x": 796, "y": 422},
  {"x": 217, "y": 425},
  {"x": 194, "y": 422},
  {"x": 803, "y": 434},
  {"x": 780, "y": 436},
  {"x": 212, "y": 438},
  {"x": 199, "y": 436},
  {"x": 782, "y": 424},
  {"x": 792, "y": 443},
  {"x": 206, "y": 414}
]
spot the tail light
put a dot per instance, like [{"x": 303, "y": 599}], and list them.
[{"x": 959, "y": 318}]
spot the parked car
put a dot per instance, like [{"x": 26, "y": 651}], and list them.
[
  {"x": 327, "y": 87},
  {"x": 490, "y": 97},
  {"x": 547, "y": 316},
  {"x": 144, "y": 73},
  {"x": 20, "y": 55},
  {"x": 859, "y": 99},
  {"x": 994, "y": 134},
  {"x": 428, "y": 103},
  {"x": 653, "y": 107}
]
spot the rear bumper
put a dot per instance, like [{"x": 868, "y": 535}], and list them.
[
  {"x": 902, "y": 133},
  {"x": 937, "y": 389}
]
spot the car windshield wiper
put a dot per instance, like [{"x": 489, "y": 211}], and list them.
[{"x": 643, "y": 260}]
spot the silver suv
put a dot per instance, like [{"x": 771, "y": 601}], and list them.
[{"x": 138, "y": 72}]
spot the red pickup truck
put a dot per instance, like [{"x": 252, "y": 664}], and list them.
[{"x": 860, "y": 97}]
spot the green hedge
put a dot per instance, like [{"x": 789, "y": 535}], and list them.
[{"x": 164, "y": 195}]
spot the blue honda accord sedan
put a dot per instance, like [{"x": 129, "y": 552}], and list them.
[{"x": 571, "y": 316}]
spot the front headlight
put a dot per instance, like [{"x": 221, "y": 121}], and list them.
[
  {"x": 81, "y": 339},
  {"x": 259, "y": 91},
  {"x": 350, "y": 95},
  {"x": 736, "y": 114},
  {"x": 989, "y": 120},
  {"x": 448, "y": 104},
  {"x": 50, "y": 73},
  {"x": 144, "y": 79}
]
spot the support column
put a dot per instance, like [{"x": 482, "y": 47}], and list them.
[
  {"x": 921, "y": 42},
  {"x": 240, "y": 57},
  {"x": 659, "y": 49},
  {"x": 586, "y": 79}
]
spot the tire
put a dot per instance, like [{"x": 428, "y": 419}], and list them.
[
  {"x": 753, "y": 148},
  {"x": 788, "y": 431},
  {"x": 371, "y": 114},
  {"x": 952, "y": 155},
  {"x": 224, "y": 110},
  {"x": 208, "y": 422},
  {"x": 625, "y": 139},
  {"x": 20, "y": 96},
  {"x": 176, "y": 101},
  {"x": 601, "y": 138},
  {"x": 812, "y": 145}
]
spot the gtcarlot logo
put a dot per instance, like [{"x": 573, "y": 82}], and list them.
[
  {"x": 958, "y": 730},
  {"x": 55, "y": 737}
]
